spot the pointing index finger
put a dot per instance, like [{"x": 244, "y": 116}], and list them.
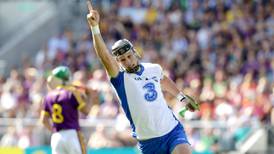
[{"x": 90, "y": 8}]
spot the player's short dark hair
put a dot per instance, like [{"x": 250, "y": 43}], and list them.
[{"x": 121, "y": 47}]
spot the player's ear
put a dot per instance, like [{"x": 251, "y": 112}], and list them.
[
  {"x": 53, "y": 82},
  {"x": 136, "y": 53}
]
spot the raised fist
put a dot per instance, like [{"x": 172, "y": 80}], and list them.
[
  {"x": 93, "y": 17},
  {"x": 192, "y": 105}
]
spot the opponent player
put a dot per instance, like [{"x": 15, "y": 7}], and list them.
[
  {"x": 139, "y": 87},
  {"x": 61, "y": 106}
]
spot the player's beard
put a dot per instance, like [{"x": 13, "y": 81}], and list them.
[{"x": 133, "y": 69}]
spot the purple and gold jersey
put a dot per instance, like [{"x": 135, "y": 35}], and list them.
[{"x": 62, "y": 105}]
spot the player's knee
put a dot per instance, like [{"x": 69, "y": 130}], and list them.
[{"x": 182, "y": 149}]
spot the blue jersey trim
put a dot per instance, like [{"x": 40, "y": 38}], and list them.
[
  {"x": 174, "y": 115},
  {"x": 141, "y": 70},
  {"x": 118, "y": 83}
]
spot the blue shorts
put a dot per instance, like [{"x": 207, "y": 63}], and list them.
[{"x": 164, "y": 144}]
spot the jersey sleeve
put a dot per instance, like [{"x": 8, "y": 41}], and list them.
[
  {"x": 46, "y": 108},
  {"x": 78, "y": 99}
]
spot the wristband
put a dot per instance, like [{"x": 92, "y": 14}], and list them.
[
  {"x": 180, "y": 97},
  {"x": 95, "y": 29}
]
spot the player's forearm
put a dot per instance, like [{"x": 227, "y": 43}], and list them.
[
  {"x": 86, "y": 109},
  {"x": 103, "y": 53},
  {"x": 47, "y": 124},
  {"x": 169, "y": 86},
  {"x": 92, "y": 99},
  {"x": 108, "y": 61},
  {"x": 49, "y": 127},
  {"x": 101, "y": 49}
]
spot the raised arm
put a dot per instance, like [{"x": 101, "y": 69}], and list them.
[{"x": 103, "y": 53}]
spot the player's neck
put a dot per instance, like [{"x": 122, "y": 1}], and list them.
[{"x": 135, "y": 69}]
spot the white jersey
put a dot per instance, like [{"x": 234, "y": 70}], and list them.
[{"x": 142, "y": 99}]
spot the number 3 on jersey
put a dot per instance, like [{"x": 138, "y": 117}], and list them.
[
  {"x": 57, "y": 116},
  {"x": 151, "y": 93}
]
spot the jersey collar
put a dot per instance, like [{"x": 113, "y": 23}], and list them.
[{"x": 141, "y": 70}]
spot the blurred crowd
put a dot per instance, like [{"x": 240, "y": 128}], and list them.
[{"x": 220, "y": 51}]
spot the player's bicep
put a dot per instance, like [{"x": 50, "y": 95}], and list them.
[
  {"x": 111, "y": 66},
  {"x": 109, "y": 62},
  {"x": 164, "y": 83},
  {"x": 169, "y": 86},
  {"x": 44, "y": 117}
]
